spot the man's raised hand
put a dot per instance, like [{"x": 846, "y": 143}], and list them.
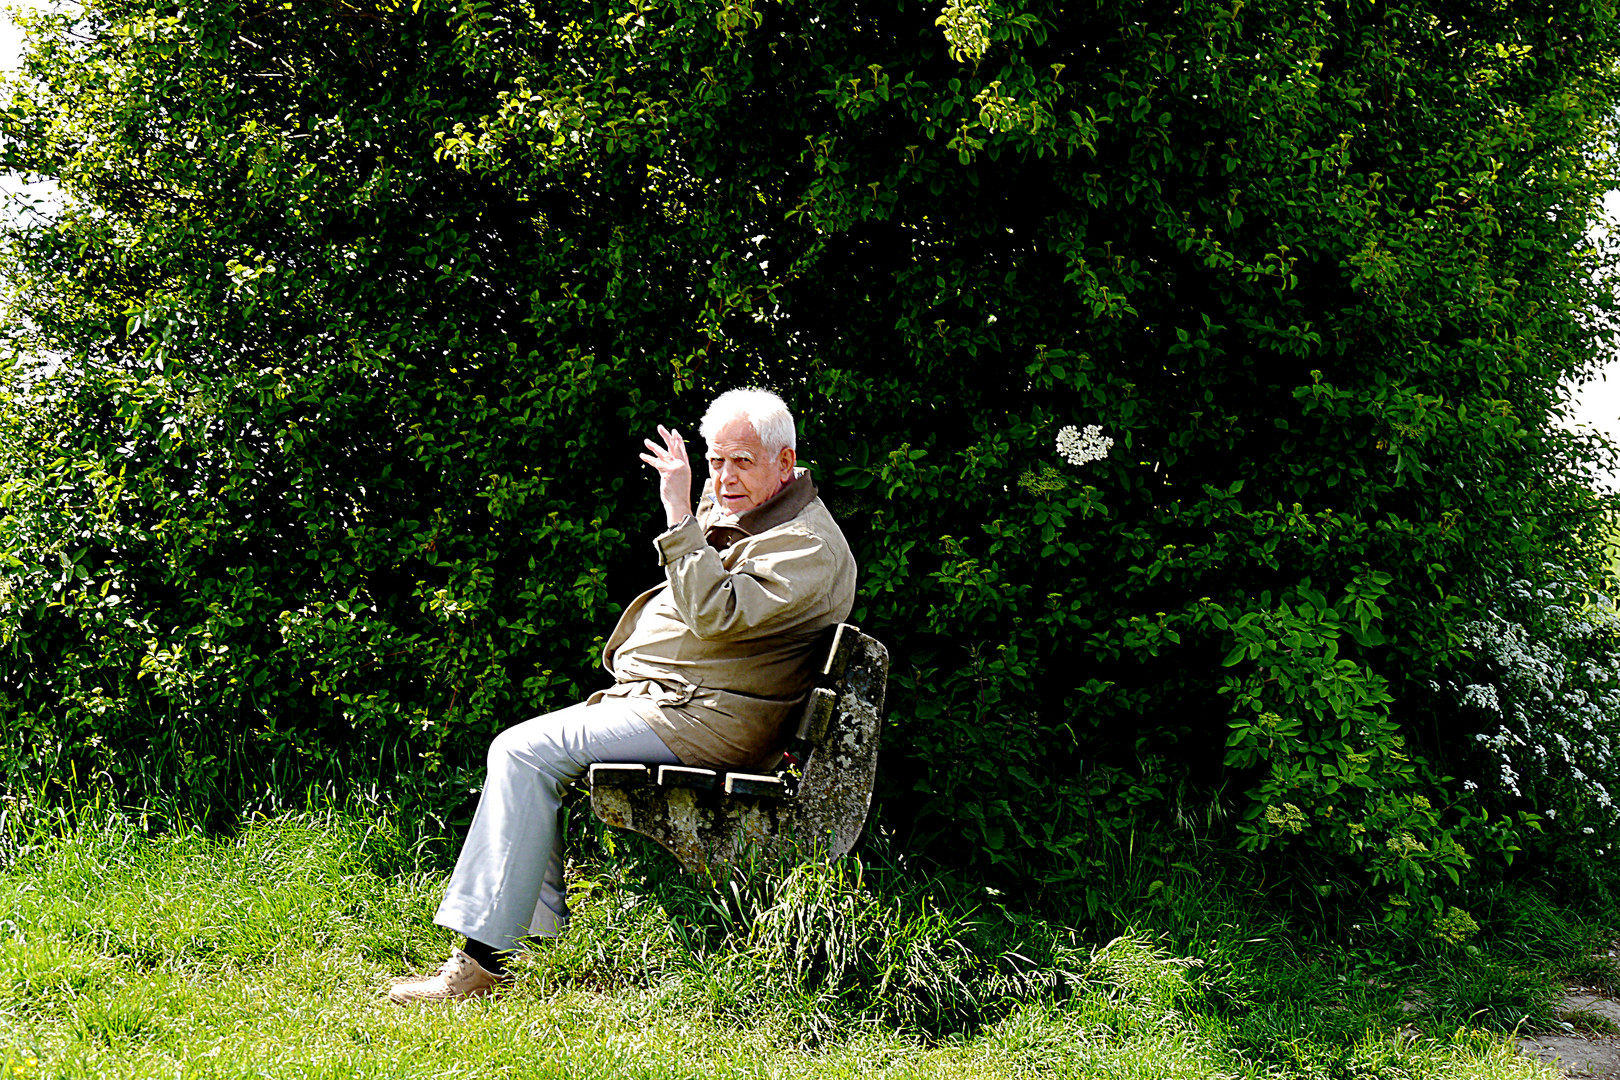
[{"x": 674, "y": 475}]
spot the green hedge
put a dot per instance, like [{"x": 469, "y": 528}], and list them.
[{"x": 354, "y": 318}]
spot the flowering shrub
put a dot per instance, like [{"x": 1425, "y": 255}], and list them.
[
  {"x": 1454, "y": 926},
  {"x": 1082, "y": 447},
  {"x": 1543, "y": 692}
]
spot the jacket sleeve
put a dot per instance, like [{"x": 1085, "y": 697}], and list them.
[{"x": 782, "y": 579}]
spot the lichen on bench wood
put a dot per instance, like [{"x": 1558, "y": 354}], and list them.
[{"x": 711, "y": 819}]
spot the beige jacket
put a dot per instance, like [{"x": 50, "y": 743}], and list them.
[{"x": 716, "y": 658}]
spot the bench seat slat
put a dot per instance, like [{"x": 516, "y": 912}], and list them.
[
  {"x": 682, "y": 776},
  {"x": 754, "y": 784},
  {"x": 615, "y": 774}
]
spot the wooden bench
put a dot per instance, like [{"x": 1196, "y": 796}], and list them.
[{"x": 815, "y": 804}]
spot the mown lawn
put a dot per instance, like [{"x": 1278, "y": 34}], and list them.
[{"x": 264, "y": 954}]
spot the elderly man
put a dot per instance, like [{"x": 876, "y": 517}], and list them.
[{"x": 707, "y": 669}]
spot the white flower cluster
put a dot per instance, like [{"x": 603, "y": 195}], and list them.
[
  {"x": 1080, "y": 447},
  {"x": 1482, "y": 696},
  {"x": 1553, "y": 693}
]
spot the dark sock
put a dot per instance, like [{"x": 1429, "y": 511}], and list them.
[{"x": 489, "y": 958}]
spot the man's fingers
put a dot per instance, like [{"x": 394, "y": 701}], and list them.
[{"x": 671, "y": 455}]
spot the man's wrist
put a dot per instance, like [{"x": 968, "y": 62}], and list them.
[{"x": 679, "y": 540}]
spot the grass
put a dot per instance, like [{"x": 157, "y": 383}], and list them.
[{"x": 262, "y": 955}]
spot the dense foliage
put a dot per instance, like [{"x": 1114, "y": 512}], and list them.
[{"x": 355, "y": 314}]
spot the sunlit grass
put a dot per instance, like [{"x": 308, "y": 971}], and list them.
[{"x": 265, "y": 955}]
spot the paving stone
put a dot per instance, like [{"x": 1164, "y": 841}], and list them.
[
  {"x": 1575, "y": 1057},
  {"x": 1580, "y": 1056},
  {"x": 1592, "y": 1003}
]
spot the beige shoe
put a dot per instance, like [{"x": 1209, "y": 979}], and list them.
[{"x": 460, "y": 977}]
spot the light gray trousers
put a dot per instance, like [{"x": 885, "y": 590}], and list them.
[{"x": 508, "y": 881}]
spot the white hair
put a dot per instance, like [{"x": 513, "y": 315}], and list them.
[{"x": 767, "y": 413}]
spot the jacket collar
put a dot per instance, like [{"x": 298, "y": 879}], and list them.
[{"x": 723, "y": 530}]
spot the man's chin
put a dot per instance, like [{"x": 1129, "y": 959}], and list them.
[{"x": 740, "y": 505}]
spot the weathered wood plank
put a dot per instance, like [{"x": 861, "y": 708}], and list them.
[
  {"x": 682, "y": 776},
  {"x": 755, "y": 784},
  {"x": 613, "y": 774}
]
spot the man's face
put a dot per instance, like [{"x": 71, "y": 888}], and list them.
[{"x": 744, "y": 474}]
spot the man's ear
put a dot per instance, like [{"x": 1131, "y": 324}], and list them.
[{"x": 785, "y": 462}]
